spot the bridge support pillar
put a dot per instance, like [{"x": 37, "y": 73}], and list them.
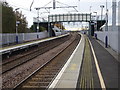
[{"x": 89, "y": 32}]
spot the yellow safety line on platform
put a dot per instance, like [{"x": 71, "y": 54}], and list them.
[
  {"x": 86, "y": 80},
  {"x": 102, "y": 83}
]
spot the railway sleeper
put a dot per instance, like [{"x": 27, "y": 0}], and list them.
[
  {"x": 37, "y": 84},
  {"x": 41, "y": 79},
  {"x": 45, "y": 72},
  {"x": 40, "y": 82},
  {"x": 46, "y": 76},
  {"x": 34, "y": 87},
  {"x": 52, "y": 70},
  {"x": 56, "y": 65}
]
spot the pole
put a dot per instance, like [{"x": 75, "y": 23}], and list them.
[
  {"x": 89, "y": 29},
  {"x": 106, "y": 29},
  {"x": 96, "y": 20},
  {"x": 38, "y": 22},
  {"x": 90, "y": 9},
  {"x": 113, "y": 15},
  {"x": 54, "y": 4},
  {"x": 102, "y": 6},
  {"x": 79, "y": 6},
  {"x": 16, "y": 26},
  {"x": 49, "y": 31}
]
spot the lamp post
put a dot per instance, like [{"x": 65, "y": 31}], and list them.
[
  {"x": 106, "y": 29},
  {"x": 38, "y": 22},
  {"x": 96, "y": 20},
  {"x": 102, "y": 6},
  {"x": 17, "y": 22},
  {"x": 79, "y": 5},
  {"x": 90, "y": 9}
]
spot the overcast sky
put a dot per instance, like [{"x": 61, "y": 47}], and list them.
[{"x": 83, "y": 6}]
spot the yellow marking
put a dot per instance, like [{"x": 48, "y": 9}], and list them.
[
  {"x": 92, "y": 84},
  {"x": 30, "y": 87},
  {"x": 32, "y": 82},
  {"x": 102, "y": 83},
  {"x": 86, "y": 73},
  {"x": 73, "y": 67}
]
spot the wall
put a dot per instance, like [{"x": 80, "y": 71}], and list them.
[{"x": 112, "y": 38}]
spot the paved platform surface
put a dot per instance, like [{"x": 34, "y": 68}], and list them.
[
  {"x": 68, "y": 76},
  {"x": 88, "y": 77},
  {"x": 108, "y": 65},
  {"x": 109, "y": 49}
]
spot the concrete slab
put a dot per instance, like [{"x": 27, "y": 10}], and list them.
[
  {"x": 66, "y": 84},
  {"x": 110, "y": 50},
  {"x": 72, "y": 68},
  {"x": 67, "y": 76},
  {"x": 108, "y": 65}
]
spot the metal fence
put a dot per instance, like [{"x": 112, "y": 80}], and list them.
[{"x": 9, "y": 38}]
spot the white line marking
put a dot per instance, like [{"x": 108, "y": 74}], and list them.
[
  {"x": 65, "y": 66},
  {"x": 102, "y": 83}
]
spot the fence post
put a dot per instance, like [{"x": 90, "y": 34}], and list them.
[
  {"x": 16, "y": 38},
  {"x": 37, "y": 36}
]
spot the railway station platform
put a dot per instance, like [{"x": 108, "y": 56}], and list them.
[
  {"x": 9, "y": 49},
  {"x": 90, "y": 66}
]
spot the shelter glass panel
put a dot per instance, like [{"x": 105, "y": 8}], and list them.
[
  {"x": 54, "y": 18},
  {"x": 50, "y": 19},
  {"x": 61, "y": 18},
  {"x": 65, "y": 18},
  {"x": 80, "y": 17},
  {"x": 72, "y": 17},
  {"x": 69, "y": 17},
  {"x": 84, "y": 17},
  {"x": 88, "y": 18},
  {"x": 76, "y": 17},
  {"x": 57, "y": 18}
]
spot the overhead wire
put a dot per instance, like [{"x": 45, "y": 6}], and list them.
[
  {"x": 21, "y": 7},
  {"x": 31, "y": 5},
  {"x": 67, "y": 5},
  {"x": 64, "y": 8}
]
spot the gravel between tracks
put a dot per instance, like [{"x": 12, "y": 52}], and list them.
[{"x": 10, "y": 79}]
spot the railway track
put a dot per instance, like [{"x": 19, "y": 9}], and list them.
[
  {"x": 45, "y": 46},
  {"x": 44, "y": 75}
]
